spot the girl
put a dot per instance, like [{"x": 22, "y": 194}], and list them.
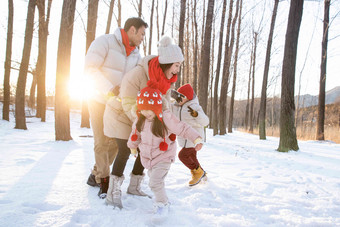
[
  {"x": 153, "y": 132},
  {"x": 120, "y": 112}
]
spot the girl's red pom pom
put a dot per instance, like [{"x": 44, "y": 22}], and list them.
[
  {"x": 163, "y": 146},
  {"x": 172, "y": 137},
  {"x": 134, "y": 137}
]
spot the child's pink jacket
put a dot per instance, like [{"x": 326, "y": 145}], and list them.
[{"x": 148, "y": 143}]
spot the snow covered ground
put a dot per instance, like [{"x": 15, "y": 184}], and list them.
[{"x": 43, "y": 183}]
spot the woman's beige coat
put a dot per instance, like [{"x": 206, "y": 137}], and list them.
[{"x": 120, "y": 111}]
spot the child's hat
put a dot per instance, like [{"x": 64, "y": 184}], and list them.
[
  {"x": 169, "y": 52},
  {"x": 187, "y": 90},
  {"x": 150, "y": 98}
]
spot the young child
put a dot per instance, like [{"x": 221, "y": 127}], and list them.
[
  {"x": 154, "y": 134},
  {"x": 187, "y": 109}
]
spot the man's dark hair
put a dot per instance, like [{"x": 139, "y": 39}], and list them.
[{"x": 136, "y": 22}]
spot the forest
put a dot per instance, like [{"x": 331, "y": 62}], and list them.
[{"x": 246, "y": 60}]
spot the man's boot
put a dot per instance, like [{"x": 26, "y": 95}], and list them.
[{"x": 104, "y": 184}]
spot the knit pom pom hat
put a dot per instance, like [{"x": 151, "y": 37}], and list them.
[
  {"x": 169, "y": 52},
  {"x": 150, "y": 98}
]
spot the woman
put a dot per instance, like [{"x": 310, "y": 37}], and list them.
[{"x": 120, "y": 112}]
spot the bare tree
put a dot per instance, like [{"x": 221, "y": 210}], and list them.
[
  {"x": 140, "y": 8},
  {"x": 288, "y": 139},
  {"x": 181, "y": 34},
  {"x": 31, "y": 100},
  {"x": 218, "y": 69},
  {"x": 7, "y": 87},
  {"x": 263, "y": 104},
  {"x": 109, "y": 17},
  {"x": 41, "y": 62},
  {"x": 205, "y": 62},
  {"x": 119, "y": 20},
  {"x": 251, "y": 123},
  {"x": 164, "y": 18},
  {"x": 20, "y": 120},
  {"x": 195, "y": 47},
  {"x": 246, "y": 118},
  {"x": 320, "y": 133},
  {"x": 231, "y": 109},
  {"x": 92, "y": 12},
  {"x": 226, "y": 69},
  {"x": 62, "y": 108},
  {"x": 151, "y": 20}
]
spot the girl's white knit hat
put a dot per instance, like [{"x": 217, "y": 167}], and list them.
[{"x": 169, "y": 52}]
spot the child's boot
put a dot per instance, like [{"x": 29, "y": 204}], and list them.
[
  {"x": 114, "y": 193},
  {"x": 135, "y": 185},
  {"x": 197, "y": 175}
]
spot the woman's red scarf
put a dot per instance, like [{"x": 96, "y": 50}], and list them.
[
  {"x": 156, "y": 74},
  {"x": 126, "y": 42}
]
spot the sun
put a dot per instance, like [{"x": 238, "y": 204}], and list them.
[{"x": 79, "y": 86}]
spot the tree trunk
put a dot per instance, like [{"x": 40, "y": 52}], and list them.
[
  {"x": 246, "y": 118},
  {"x": 187, "y": 53},
  {"x": 109, "y": 17},
  {"x": 231, "y": 110},
  {"x": 288, "y": 139},
  {"x": 263, "y": 104},
  {"x": 119, "y": 20},
  {"x": 90, "y": 36},
  {"x": 212, "y": 60},
  {"x": 251, "y": 120},
  {"x": 164, "y": 18},
  {"x": 7, "y": 87},
  {"x": 181, "y": 35},
  {"x": 195, "y": 43},
  {"x": 41, "y": 62},
  {"x": 31, "y": 101},
  {"x": 226, "y": 69},
  {"x": 20, "y": 120},
  {"x": 157, "y": 21},
  {"x": 205, "y": 61},
  {"x": 151, "y": 20},
  {"x": 140, "y": 8},
  {"x": 62, "y": 109},
  {"x": 320, "y": 133},
  {"x": 218, "y": 69}
]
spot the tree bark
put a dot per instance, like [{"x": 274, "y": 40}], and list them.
[
  {"x": 263, "y": 104},
  {"x": 218, "y": 69},
  {"x": 90, "y": 36},
  {"x": 195, "y": 63},
  {"x": 7, "y": 87},
  {"x": 31, "y": 101},
  {"x": 62, "y": 109},
  {"x": 20, "y": 120},
  {"x": 205, "y": 61},
  {"x": 181, "y": 35},
  {"x": 164, "y": 18},
  {"x": 246, "y": 118},
  {"x": 41, "y": 62},
  {"x": 251, "y": 120},
  {"x": 119, "y": 20},
  {"x": 151, "y": 20},
  {"x": 320, "y": 131},
  {"x": 288, "y": 139},
  {"x": 140, "y": 8},
  {"x": 231, "y": 109},
  {"x": 109, "y": 17}
]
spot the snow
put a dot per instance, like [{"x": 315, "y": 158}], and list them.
[{"x": 43, "y": 182}]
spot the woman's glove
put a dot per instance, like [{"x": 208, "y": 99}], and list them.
[{"x": 192, "y": 112}]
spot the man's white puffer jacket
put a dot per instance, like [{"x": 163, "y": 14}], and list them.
[{"x": 106, "y": 63}]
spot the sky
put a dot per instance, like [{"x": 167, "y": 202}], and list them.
[
  {"x": 256, "y": 13},
  {"x": 43, "y": 183}
]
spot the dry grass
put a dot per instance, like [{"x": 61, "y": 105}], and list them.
[{"x": 332, "y": 133}]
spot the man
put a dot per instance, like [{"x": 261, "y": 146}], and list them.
[{"x": 107, "y": 60}]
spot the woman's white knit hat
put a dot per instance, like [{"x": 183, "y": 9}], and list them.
[{"x": 169, "y": 52}]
